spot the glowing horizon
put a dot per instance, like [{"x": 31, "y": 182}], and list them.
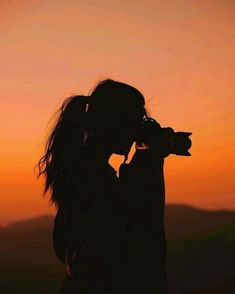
[{"x": 179, "y": 55}]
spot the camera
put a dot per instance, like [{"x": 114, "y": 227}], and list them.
[{"x": 151, "y": 133}]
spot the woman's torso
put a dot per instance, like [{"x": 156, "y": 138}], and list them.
[{"x": 104, "y": 242}]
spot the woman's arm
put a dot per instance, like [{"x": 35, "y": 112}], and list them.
[
  {"x": 145, "y": 253},
  {"x": 143, "y": 177}
]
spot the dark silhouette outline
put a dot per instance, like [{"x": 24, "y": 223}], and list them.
[{"x": 108, "y": 230}]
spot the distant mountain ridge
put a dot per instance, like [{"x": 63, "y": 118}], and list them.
[
  {"x": 200, "y": 258},
  {"x": 180, "y": 220},
  {"x": 183, "y": 220}
]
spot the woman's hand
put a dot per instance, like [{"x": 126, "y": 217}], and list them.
[
  {"x": 161, "y": 145},
  {"x": 68, "y": 270}
]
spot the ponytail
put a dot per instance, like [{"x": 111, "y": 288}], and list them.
[{"x": 63, "y": 149}]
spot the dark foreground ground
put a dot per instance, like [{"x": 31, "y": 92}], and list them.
[{"x": 201, "y": 254}]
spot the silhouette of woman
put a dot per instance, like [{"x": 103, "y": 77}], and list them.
[{"x": 108, "y": 230}]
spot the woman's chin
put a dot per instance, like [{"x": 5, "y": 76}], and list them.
[
  {"x": 121, "y": 151},
  {"x": 122, "y": 148}
]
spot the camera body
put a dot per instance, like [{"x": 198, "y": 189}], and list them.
[{"x": 151, "y": 133}]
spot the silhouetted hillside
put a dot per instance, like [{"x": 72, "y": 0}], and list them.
[
  {"x": 183, "y": 220},
  {"x": 201, "y": 250},
  {"x": 201, "y": 253},
  {"x": 33, "y": 223},
  {"x": 28, "y": 264}
]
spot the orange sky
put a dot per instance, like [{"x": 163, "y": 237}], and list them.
[{"x": 179, "y": 53}]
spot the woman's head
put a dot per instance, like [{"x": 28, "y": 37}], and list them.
[
  {"x": 108, "y": 118},
  {"x": 115, "y": 112}
]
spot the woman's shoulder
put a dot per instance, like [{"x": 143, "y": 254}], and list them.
[{"x": 92, "y": 182}]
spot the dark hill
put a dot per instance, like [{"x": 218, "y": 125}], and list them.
[
  {"x": 183, "y": 220},
  {"x": 201, "y": 253}
]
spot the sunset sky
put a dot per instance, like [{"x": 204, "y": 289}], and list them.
[{"x": 179, "y": 53}]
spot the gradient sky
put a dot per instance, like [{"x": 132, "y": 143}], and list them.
[{"x": 179, "y": 53}]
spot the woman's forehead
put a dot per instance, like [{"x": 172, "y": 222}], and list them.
[{"x": 114, "y": 115}]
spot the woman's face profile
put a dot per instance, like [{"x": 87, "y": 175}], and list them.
[
  {"x": 124, "y": 133},
  {"x": 116, "y": 133},
  {"x": 114, "y": 128}
]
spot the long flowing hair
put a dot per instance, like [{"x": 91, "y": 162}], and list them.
[{"x": 64, "y": 149}]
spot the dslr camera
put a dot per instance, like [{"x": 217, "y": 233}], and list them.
[{"x": 151, "y": 133}]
